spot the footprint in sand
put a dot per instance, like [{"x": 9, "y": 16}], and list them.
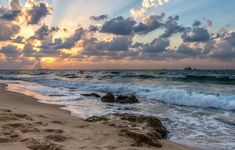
[
  {"x": 5, "y": 110},
  {"x": 8, "y": 136},
  {"x": 54, "y": 130},
  {"x": 23, "y": 127},
  {"x": 35, "y": 144},
  {"x": 57, "y": 122},
  {"x": 56, "y": 138}
]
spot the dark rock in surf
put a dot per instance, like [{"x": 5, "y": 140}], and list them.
[
  {"x": 91, "y": 95},
  {"x": 121, "y": 99},
  {"x": 126, "y": 99},
  {"x": 88, "y": 77},
  {"x": 108, "y": 98}
]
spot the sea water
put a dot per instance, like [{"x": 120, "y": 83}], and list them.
[{"x": 197, "y": 107}]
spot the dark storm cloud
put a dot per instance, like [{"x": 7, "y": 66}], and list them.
[
  {"x": 8, "y": 30},
  {"x": 119, "y": 26},
  {"x": 38, "y": 12},
  {"x": 196, "y": 34},
  {"x": 99, "y": 18}
]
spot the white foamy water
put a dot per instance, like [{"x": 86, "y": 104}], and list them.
[{"x": 197, "y": 114}]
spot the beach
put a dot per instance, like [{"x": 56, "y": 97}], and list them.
[{"x": 28, "y": 124}]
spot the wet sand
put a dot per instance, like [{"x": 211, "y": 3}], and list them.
[{"x": 27, "y": 124}]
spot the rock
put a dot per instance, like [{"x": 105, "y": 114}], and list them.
[
  {"x": 150, "y": 122},
  {"x": 91, "y": 95},
  {"x": 96, "y": 119},
  {"x": 108, "y": 98},
  {"x": 145, "y": 130},
  {"x": 126, "y": 99},
  {"x": 141, "y": 138}
]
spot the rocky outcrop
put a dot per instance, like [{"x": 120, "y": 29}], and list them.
[
  {"x": 110, "y": 98},
  {"x": 144, "y": 130},
  {"x": 91, "y": 95},
  {"x": 126, "y": 99}
]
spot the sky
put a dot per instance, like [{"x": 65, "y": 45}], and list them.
[{"x": 107, "y": 34}]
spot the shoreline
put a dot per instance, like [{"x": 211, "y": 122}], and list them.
[{"x": 46, "y": 120}]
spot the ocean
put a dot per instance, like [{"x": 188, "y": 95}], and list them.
[{"x": 196, "y": 106}]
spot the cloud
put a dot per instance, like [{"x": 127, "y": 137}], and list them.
[
  {"x": 196, "y": 34},
  {"x": 10, "y": 15},
  {"x": 146, "y": 5},
  {"x": 93, "y": 47},
  {"x": 37, "y": 12},
  {"x": 99, "y": 18},
  {"x": 157, "y": 45},
  {"x": 171, "y": 27},
  {"x": 119, "y": 26},
  {"x": 128, "y": 26},
  {"x": 185, "y": 50},
  {"x": 18, "y": 39},
  {"x": 28, "y": 50},
  {"x": 8, "y": 30},
  {"x": 93, "y": 28},
  {"x": 44, "y": 31},
  {"x": 14, "y": 58},
  {"x": 224, "y": 48},
  {"x": 196, "y": 23},
  {"x": 71, "y": 41},
  {"x": 15, "y": 5},
  {"x": 149, "y": 24},
  {"x": 10, "y": 51},
  {"x": 119, "y": 39},
  {"x": 120, "y": 43}
]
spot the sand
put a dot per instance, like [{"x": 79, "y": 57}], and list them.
[{"x": 27, "y": 124}]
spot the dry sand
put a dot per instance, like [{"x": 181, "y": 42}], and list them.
[{"x": 27, "y": 124}]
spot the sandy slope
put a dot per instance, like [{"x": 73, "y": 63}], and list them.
[{"x": 27, "y": 124}]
